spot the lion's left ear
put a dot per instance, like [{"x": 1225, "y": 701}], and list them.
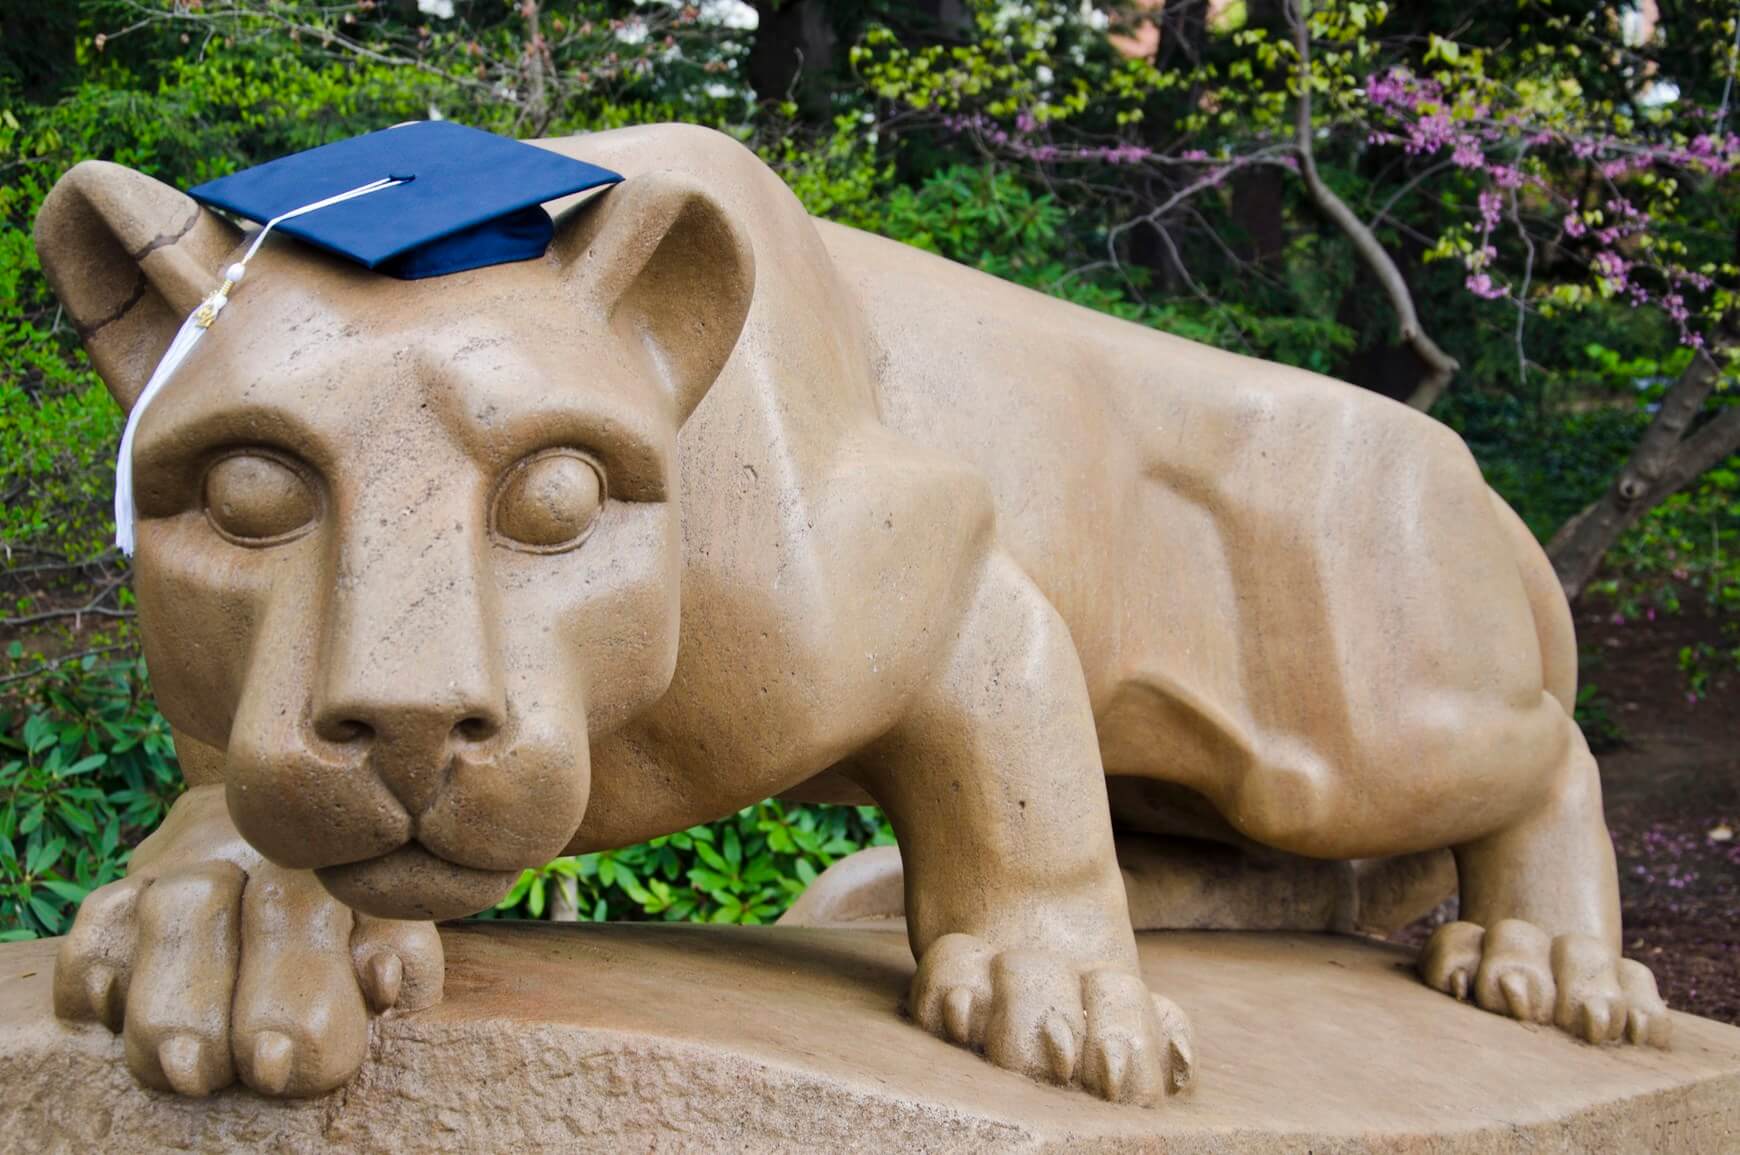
[
  {"x": 659, "y": 256},
  {"x": 129, "y": 258}
]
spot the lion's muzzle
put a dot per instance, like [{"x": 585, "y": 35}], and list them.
[{"x": 426, "y": 813}]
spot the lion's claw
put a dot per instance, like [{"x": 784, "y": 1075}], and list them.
[
  {"x": 1053, "y": 1020},
  {"x": 1574, "y": 982}
]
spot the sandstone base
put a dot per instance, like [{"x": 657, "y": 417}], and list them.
[{"x": 615, "y": 1038}]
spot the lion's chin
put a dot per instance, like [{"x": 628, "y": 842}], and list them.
[{"x": 412, "y": 883}]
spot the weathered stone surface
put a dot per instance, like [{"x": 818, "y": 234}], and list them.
[{"x": 616, "y": 1038}]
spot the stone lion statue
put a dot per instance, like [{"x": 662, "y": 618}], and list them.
[{"x": 441, "y": 579}]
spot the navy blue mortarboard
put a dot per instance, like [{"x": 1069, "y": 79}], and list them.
[{"x": 467, "y": 198}]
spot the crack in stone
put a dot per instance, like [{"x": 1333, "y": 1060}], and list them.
[
  {"x": 86, "y": 332},
  {"x": 163, "y": 239}
]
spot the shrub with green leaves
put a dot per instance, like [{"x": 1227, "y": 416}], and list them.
[
  {"x": 747, "y": 868},
  {"x": 87, "y": 769}
]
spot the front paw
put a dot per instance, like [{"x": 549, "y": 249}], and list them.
[
  {"x": 1573, "y": 981},
  {"x": 1054, "y": 1020},
  {"x": 212, "y": 972}
]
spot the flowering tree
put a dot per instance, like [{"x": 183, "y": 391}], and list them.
[{"x": 1566, "y": 174}]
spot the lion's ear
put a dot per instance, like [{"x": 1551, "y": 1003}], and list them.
[
  {"x": 661, "y": 258},
  {"x": 129, "y": 258}
]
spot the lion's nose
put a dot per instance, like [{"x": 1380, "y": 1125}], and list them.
[
  {"x": 410, "y": 663},
  {"x": 411, "y": 746},
  {"x": 407, "y": 724}
]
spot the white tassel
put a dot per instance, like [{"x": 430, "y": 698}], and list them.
[{"x": 186, "y": 338}]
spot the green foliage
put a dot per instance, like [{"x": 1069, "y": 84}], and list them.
[
  {"x": 837, "y": 176},
  {"x": 87, "y": 768},
  {"x": 746, "y": 869},
  {"x": 57, "y": 424},
  {"x": 1550, "y": 465},
  {"x": 1547, "y": 465},
  {"x": 1686, "y": 547},
  {"x": 57, "y": 434},
  {"x": 1594, "y": 714},
  {"x": 1702, "y": 661}
]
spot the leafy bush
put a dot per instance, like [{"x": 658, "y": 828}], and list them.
[
  {"x": 1689, "y": 546},
  {"x": 87, "y": 769},
  {"x": 747, "y": 868}
]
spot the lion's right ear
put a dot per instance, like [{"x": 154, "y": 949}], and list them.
[
  {"x": 129, "y": 258},
  {"x": 660, "y": 257}
]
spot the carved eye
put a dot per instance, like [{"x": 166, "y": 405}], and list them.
[
  {"x": 549, "y": 501},
  {"x": 254, "y": 499}
]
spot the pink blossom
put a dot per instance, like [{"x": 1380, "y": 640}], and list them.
[
  {"x": 1126, "y": 154},
  {"x": 1390, "y": 88},
  {"x": 1505, "y": 176},
  {"x": 1481, "y": 285},
  {"x": 1610, "y": 266},
  {"x": 1491, "y": 205}
]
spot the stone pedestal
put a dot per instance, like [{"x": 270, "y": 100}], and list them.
[{"x": 619, "y": 1038}]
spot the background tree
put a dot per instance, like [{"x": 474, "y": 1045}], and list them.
[{"x": 1569, "y": 178}]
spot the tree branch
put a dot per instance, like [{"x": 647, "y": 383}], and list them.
[
  {"x": 1440, "y": 366},
  {"x": 57, "y": 663},
  {"x": 1665, "y": 461},
  {"x": 1701, "y": 452}
]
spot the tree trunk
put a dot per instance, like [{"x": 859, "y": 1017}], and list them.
[
  {"x": 1664, "y": 462},
  {"x": 1440, "y": 366},
  {"x": 793, "y": 55},
  {"x": 536, "y": 52},
  {"x": 1183, "y": 34},
  {"x": 1259, "y": 201}
]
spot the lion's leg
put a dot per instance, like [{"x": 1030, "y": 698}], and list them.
[
  {"x": 1014, "y": 902},
  {"x": 1539, "y": 936}
]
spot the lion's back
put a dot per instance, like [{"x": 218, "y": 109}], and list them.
[{"x": 1275, "y": 567}]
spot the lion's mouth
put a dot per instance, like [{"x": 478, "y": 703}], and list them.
[{"x": 413, "y": 883}]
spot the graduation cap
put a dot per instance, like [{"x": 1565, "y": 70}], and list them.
[
  {"x": 458, "y": 198},
  {"x": 419, "y": 200}
]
